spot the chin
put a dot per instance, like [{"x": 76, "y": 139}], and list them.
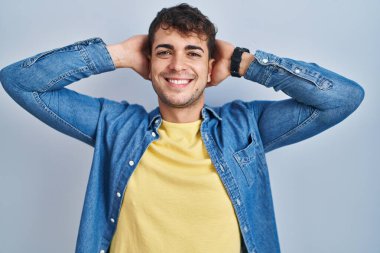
[{"x": 190, "y": 102}]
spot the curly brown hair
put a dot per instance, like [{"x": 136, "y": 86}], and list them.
[{"x": 186, "y": 20}]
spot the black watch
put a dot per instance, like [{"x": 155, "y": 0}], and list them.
[{"x": 236, "y": 59}]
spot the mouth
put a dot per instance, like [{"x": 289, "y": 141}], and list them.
[{"x": 178, "y": 82}]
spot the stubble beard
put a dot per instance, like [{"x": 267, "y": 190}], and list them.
[{"x": 169, "y": 101}]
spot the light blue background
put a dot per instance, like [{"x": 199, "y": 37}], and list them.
[{"x": 325, "y": 189}]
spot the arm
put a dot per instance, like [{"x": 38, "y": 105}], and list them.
[
  {"x": 319, "y": 99},
  {"x": 38, "y": 85}
]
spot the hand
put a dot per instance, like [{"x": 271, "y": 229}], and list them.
[
  {"x": 132, "y": 53},
  {"x": 221, "y": 65}
]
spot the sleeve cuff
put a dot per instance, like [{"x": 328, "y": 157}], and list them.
[
  {"x": 99, "y": 59},
  {"x": 256, "y": 70}
]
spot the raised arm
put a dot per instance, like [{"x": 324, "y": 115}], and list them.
[
  {"x": 38, "y": 83},
  {"x": 319, "y": 98}
]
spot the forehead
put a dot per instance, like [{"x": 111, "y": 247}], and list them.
[{"x": 173, "y": 37}]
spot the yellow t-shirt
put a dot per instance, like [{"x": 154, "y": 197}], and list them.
[{"x": 175, "y": 200}]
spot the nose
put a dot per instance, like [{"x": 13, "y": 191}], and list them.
[{"x": 177, "y": 62}]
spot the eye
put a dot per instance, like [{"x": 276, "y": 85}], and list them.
[
  {"x": 164, "y": 53},
  {"x": 194, "y": 54}
]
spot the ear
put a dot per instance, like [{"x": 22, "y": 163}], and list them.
[{"x": 210, "y": 66}]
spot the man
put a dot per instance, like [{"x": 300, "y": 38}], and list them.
[{"x": 185, "y": 177}]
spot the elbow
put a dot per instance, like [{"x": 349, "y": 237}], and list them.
[
  {"x": 352, "y": 95},
  {"x": 11, "y": 78},
  {"x": 355, "y": 97},
  {"x": 7, "y": 76},
  {"x": 3, "y": 77}
]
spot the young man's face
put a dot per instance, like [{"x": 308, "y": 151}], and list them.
[{"x": 180, "y": 68}]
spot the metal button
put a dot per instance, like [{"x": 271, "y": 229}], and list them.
[
  {"x": 131, "y": 163},
  {"x": 265, "y": 60},
  {"x": 112, "y": 220},
  {"x": 102, "y": 251},
  {"x": 297, "y": 71},
  {"x": 118, "y": 194},
  {"x": 153, "y": 134}
]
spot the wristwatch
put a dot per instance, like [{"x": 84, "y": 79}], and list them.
[{"x": 236, "y": 59}]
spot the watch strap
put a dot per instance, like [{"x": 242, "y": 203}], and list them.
[{"x": 236, "y": 59}]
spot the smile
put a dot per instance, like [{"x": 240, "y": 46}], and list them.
[{"x": 178, "y": 82}]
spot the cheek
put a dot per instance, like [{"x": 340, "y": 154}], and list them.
[
  {"x": 156, "y": 69},
  {"x": 203, "y": 72},
  {"x": 154, "y": 72}
]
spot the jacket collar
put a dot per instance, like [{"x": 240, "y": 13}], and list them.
[{"x": 155, "y": 115}]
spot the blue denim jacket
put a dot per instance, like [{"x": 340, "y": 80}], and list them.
[{"x": 237, "y": 135}]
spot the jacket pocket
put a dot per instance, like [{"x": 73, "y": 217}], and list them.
[{"x": 247, "y": 160}]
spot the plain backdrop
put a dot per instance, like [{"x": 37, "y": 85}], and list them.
[{"x": 325, "y": 189}]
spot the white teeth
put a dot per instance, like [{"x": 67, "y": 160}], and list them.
[{"x": 175, "y": 81}]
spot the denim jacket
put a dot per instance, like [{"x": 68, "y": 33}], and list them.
[{"x": 237, "y": 135}]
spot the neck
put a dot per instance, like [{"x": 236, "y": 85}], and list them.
[{"x": 181, "y": 115}]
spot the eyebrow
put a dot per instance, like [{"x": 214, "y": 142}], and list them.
[{"x": 188, "y": 47}]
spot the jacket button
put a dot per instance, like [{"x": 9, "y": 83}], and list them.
[
  {"x": 102, "y": 251},
  {"x": 153, "y": 134},
  {"x": 112, "y": 220},
  {"x": 297, "y": 71},
  {"x": 131, "y": 163},
  {"x": 118, "y": 194},
  {"x": 265, "y": 60}
]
